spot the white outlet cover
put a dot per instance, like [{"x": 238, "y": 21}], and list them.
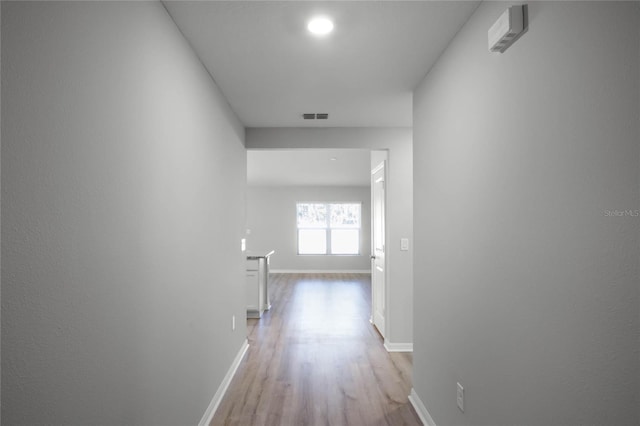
[{"x": 460, "y": 397}]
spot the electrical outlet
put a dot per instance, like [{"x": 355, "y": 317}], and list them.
[
  {"x": 460, "y": 397},
  {"x": 233, "y": 322}
]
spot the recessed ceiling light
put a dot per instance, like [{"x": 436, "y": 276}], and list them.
[{"x": 320, "y": 26}]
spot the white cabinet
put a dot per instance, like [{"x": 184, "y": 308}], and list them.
[
  {"x": 257, "y": 286},
  {"x": 255, "y": 302}
]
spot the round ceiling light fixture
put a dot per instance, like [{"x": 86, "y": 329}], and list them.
[{"x": 320, "y": 26}]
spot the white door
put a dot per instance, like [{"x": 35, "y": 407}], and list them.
[{"x": 378, "y": 266}]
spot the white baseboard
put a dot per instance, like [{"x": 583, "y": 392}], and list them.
[
  {"x": 222, "y": 389},
  {"x": 398, "y": 347},
  {"x": 320, "y": 271},
  {"x": 424, "y": 415}
]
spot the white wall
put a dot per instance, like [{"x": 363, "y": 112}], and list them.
[
  {"x": 123, "y": 180},
  {"x": 271, "y": 217},
  {"x": 526, "y": 291},
  {"x": 398, "y": 142},
  {"x": 0, "y": 210}
]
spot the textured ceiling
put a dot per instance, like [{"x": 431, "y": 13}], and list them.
[{"x": 272, "y": 70}]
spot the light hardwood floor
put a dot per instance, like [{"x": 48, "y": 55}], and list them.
[{"x": 314, "y": 359}]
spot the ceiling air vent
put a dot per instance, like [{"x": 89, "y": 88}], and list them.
[{"x": 319, "y": 116}]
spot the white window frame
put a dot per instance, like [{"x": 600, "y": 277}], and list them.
[{"x": 327, "y": 228}]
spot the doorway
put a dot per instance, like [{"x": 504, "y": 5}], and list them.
[{"x": 280, "y": 179}]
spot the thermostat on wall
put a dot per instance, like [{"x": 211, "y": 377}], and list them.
[{"x": 507, "y": 28}]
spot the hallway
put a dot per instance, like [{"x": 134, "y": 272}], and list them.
[{"x": 314, "y": 359}]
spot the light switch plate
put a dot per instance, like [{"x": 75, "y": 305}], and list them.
[{"x": 404, "y": 244}]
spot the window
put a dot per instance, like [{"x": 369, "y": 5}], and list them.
[{"x": 329, "y": 228}]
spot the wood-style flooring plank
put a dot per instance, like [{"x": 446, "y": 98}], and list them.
[{"x": 315, "y": 359}]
